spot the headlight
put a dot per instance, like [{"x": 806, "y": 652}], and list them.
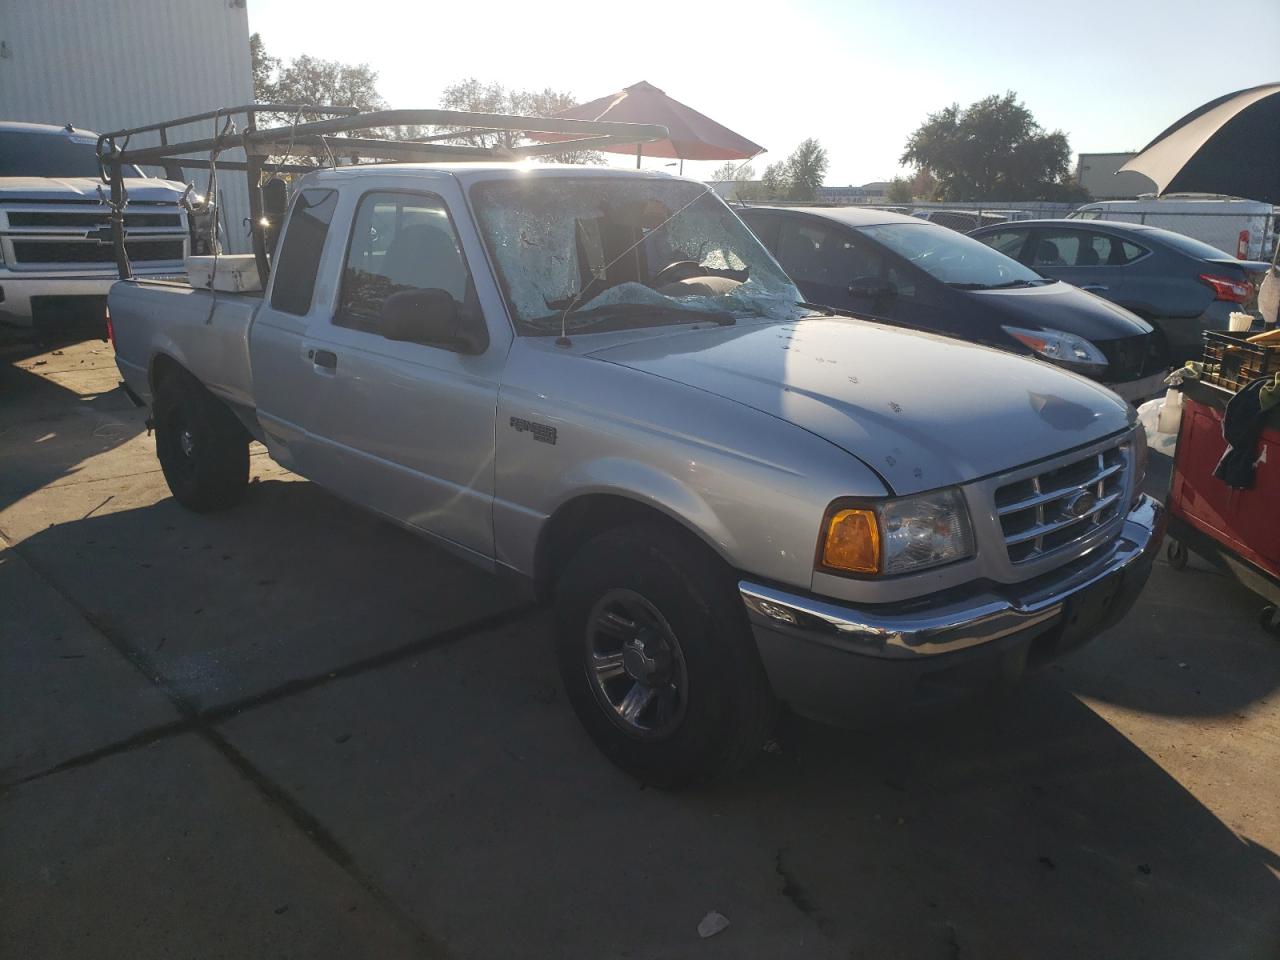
[
  {"x": 1065, "y": 349},
  {"x": 896, "y": 536}
]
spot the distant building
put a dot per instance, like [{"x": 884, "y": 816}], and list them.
[{"x": 1096, "y": 172}]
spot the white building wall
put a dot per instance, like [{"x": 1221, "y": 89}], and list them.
[
  {"x": 1097, "y": 173},
  {"x": 109, "y": 64}
]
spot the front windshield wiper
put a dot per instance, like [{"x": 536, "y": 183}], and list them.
[
  {"x": 594, "y": 316},
  {"x": 1007, "y": 285},
  {"x": 821, "y": 308}
]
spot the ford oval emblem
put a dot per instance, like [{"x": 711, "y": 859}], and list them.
[{"x": 1080, "y": 505}]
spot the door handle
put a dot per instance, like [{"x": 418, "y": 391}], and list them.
[
  {"x": 1094, "y": 287},
  {"x": 324, "y": 358}
]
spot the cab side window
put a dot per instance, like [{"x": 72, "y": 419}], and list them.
[
  {"x": 299, "y": 259},
  {"x": 400, "y": 242}
]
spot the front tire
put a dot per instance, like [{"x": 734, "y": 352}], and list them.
[
  {"x": 657, "y": 657},
  {"x": 203, "y": 449}
]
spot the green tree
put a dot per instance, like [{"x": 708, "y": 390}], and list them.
[
  {"x": 738, "y": 174},
  {"x": 478, "y": 97},
  {"x": 264, "y": 67},
  {"x": 899, "y": 191},
  {"x": 924, "y": 186},
  {"x": 992, "y": 149},
  {"x": 310, "y": 80},
  {"x": 806, "y": 168},
  {"x": 774, "y": 183}
]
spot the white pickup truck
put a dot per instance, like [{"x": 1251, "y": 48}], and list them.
[
  {"x": 56, "y": 261},
  {"x": 598, "y": 380}
]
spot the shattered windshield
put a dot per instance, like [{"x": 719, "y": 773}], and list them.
[{"x": 613, "y": 252}]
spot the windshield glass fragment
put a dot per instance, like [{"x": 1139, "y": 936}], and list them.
[{"x": 612, "y": 252}]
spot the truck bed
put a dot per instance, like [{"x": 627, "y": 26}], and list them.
[{"x": 206, "y": 332}]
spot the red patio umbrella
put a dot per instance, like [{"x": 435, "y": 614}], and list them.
[{"x": 693, "y": 136}]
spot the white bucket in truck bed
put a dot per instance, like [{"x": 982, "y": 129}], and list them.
[{"x": 235, "y": 273}]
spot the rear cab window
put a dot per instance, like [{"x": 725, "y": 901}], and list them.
[{"x": 299, "y": 259}]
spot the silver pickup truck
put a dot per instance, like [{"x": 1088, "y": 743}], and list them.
[{"x": 599, "y": 381}]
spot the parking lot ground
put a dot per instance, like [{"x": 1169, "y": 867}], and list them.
[{"x": 293, "y": 730}]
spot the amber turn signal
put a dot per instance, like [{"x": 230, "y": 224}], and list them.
[{"x": 852, "y": 541}]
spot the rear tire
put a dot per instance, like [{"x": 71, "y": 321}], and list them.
[
  {"x": 203, "y": 449},
  {"x": 657, "y": 657}
]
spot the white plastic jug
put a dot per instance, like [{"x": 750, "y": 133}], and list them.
[{"x": 1170, "y": 412}]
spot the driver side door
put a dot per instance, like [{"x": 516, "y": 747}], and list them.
[{"x": 409, "y": 427}]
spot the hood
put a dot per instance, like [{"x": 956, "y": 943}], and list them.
[
  {"x": 921, "y": 410},
  {"x": 1060, "y": 306},
  {"x": 85, "y": 188}
]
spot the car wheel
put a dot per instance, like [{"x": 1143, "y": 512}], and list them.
[
  {"x": 203, "y": 449},
  {"x": 657, "y": 657},
  {"x": 1269, "y": 620}
]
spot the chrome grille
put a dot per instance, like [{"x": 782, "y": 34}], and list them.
[
  {"x": 1048, "y": 511},
  {"x": 44, "y": 235},
  {"x": 85, "y": 251}
]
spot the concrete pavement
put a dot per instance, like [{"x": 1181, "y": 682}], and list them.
[{"x": 293, "y": 730}]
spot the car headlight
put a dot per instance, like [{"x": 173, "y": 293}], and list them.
[
  {"x": 896, "y": 536},
  {"x": 1065, "y": 349}
]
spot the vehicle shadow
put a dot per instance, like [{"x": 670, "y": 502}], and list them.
[
  {"x": 290, "y": 582},
  {"x": 459, "y": 779},
  {"x": 48, "y": 429},
  {"x": 1027, "y": 828},
  {"x": 1023, "y": 827},
  {"x": 1191, "y": 646}
]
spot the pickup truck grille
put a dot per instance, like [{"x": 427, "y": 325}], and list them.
[
  {"x": 1049, "y": 511},
  {"x": 81, "y": 219},
  {"x": 51, "y": 235},
  {"x": 27, "y": 252}
]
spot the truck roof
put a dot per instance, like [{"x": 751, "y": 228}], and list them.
[{"x": 487, "y": 170}]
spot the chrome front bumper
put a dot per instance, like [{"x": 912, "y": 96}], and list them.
[{"x": 834, "y": 662}]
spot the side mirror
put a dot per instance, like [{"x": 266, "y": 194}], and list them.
[
  {"x": 429, "y": 317},
  {"x": 873, "y": 288}
]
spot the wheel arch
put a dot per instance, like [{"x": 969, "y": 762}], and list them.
[
  {"x": 587, "y": 515},
  {"x": 164, "y": 365}
]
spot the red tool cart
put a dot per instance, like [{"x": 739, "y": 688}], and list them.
[{"x": 1237, "y": 530}]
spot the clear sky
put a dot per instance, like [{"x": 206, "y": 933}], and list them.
[{"x": 858, "y": 76}]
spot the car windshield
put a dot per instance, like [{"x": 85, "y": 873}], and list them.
[
  {"x": 612, "y": 252},
  {"x": 951, "y": 257},
  {"x": 24, "y": 154}
]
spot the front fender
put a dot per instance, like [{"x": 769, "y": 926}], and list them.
[{"x": 642, "y": 482}]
